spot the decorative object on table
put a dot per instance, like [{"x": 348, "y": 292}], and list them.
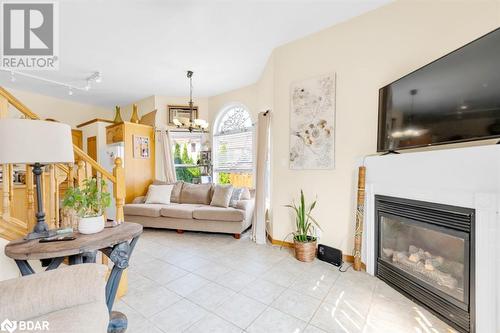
[
  {"x": 187, "y": 116},
  {"x": 141, "y": 146},
  {"x": 304, "y": 236},
  {"x": 312, "y": 136},
  {"x": 360, "y": 212},
  {"x": 135, "y": 115},
  {"x": 38, "y": 143},
  {"x": 118, "y": 116},
  {"x": 89, "y": 202}
]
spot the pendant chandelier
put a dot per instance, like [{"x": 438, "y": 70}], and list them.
[{"x": 191, "y": 123}]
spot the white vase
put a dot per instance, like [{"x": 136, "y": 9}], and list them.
[{"x": 90, "y": 225}]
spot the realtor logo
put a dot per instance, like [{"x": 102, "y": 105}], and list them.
[
  {"x": 8, "y": 326},
  {"x": 30, "y": 36}
]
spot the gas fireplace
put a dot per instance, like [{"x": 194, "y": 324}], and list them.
[{"x": 426, "y": 251}]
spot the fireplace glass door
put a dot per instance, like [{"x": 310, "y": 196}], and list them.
[{"x": 434, "y": 255}]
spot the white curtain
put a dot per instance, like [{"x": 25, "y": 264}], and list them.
[
  {"x": 168, "y": 157},
  {"x": 261, "y": 177}
]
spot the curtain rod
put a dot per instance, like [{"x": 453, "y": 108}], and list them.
[{"x": 179, "y": 131}]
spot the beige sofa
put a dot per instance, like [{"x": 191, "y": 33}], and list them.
[
  {"x": 190, "y": 209},
  {"x": 70, "y": 299}
]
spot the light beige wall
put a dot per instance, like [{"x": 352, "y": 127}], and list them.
[
  {"x": 246, "y": 96},
  {"x": 265, "y": 87},
  {"x": 65, "y": 111},
  {"x": 366, "y": 53}
]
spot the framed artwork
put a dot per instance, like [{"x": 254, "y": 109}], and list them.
[
  {"x": 180, "y": 111},
  {"x": 312, "y": 127},
  {"x": 141, "y": 146}
]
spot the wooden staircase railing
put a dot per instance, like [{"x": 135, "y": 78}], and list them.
[{"x": 18, "y": 209}]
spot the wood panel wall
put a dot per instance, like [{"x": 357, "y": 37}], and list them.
[{"x": 139, "y": 172}]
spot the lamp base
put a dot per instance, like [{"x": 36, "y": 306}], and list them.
[{"x": 39, "y": 235}]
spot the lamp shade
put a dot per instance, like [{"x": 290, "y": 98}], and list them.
[{"x": 35, "y": 141}]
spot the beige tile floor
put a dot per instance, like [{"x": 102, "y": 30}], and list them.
[{"x": 196, "y": 282}]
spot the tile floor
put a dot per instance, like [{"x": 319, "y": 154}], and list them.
[{"x": 196, "y": 282}]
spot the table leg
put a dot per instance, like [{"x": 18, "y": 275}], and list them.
[
  {"x": 89, "y": 257},
  {"x": 24, "y": 267},
  {"x": 55, "y": 263},
  {"x": 118, "y": 322},
  {"x": 76, "y": 259},
  {"x": 119, "y": 255}
]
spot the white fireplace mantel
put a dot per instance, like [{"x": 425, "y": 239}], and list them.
[{"x": 466, "y": 177}]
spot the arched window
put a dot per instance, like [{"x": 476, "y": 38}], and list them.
[{"x": 233, "y": 146}]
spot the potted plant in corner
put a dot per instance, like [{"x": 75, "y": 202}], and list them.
[
  {"x": 304, "y": 236},
  {"x": 89, "y": 202}
]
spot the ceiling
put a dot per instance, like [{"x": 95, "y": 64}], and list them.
[{"x": 144, "y": 48}]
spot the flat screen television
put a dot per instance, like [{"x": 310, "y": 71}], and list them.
[{"x": 453, "y": 99}]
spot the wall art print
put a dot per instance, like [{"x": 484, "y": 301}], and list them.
[
  {"x": 312, "y": 123},
  {"x": 141, "y": 146}
]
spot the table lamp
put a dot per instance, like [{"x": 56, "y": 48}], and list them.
[{"x": 37, "y": 143}]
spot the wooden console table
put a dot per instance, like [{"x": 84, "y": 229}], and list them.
[{"x": 117, "y": 243}]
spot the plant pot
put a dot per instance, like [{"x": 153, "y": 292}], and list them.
[
  {"x": 90, "y": 225},
  {"x": 305, "y": 251}
]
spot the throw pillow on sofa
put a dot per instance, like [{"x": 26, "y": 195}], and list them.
[
  {"x": 196, "y": 194},
  {"x": 175, "y": 197},
  {"x": 236, "y": 196},
  {"x": 159, "y": 194},
  {"x": 222, "y": 195},
  {"x": 246, "y": 195}
]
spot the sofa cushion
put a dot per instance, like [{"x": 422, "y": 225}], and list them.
[
  {"x": 196, "y": 194},
  {"x": 179, "y": 211},
  {"x": 212, "y": 213},
  {"x": 149, "y": 210},
  {"x": 222, "y": 195}
]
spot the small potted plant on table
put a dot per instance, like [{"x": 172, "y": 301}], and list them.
[
  {"x": 89, "y": 202},
  {"x": 304, "y": 236}
]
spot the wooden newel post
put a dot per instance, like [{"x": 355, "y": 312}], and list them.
[
  {"x": 358, "y": 233},
  {"x": 80, "y": 172},
  {"x": 119, "y": 189}
]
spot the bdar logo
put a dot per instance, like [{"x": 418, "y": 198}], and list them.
[{"x": 8, "y": 326}]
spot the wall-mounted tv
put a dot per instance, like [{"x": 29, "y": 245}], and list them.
[{"x": 453, "y": 99}]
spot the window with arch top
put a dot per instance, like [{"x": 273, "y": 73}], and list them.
[{"x": 233, "y": 146}]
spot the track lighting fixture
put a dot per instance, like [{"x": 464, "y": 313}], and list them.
[{"x": 95, "y": 77}]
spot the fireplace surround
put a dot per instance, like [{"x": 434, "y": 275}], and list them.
[
  {"x": 426, "y": 251},
  {"x": 463, "y": 177}
]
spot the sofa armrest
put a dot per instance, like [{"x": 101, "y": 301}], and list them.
[
  {"x": 42, "y": 293},
  {"x": 247, "y": 206},
  {"x": 139, "y": 200}
]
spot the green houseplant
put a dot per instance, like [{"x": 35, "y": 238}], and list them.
[
  {"x": 304, "y": 236},
  {"x": 89, "y": 202}
]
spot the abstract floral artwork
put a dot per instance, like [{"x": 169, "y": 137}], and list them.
[{"x": 312, "y": 139}]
